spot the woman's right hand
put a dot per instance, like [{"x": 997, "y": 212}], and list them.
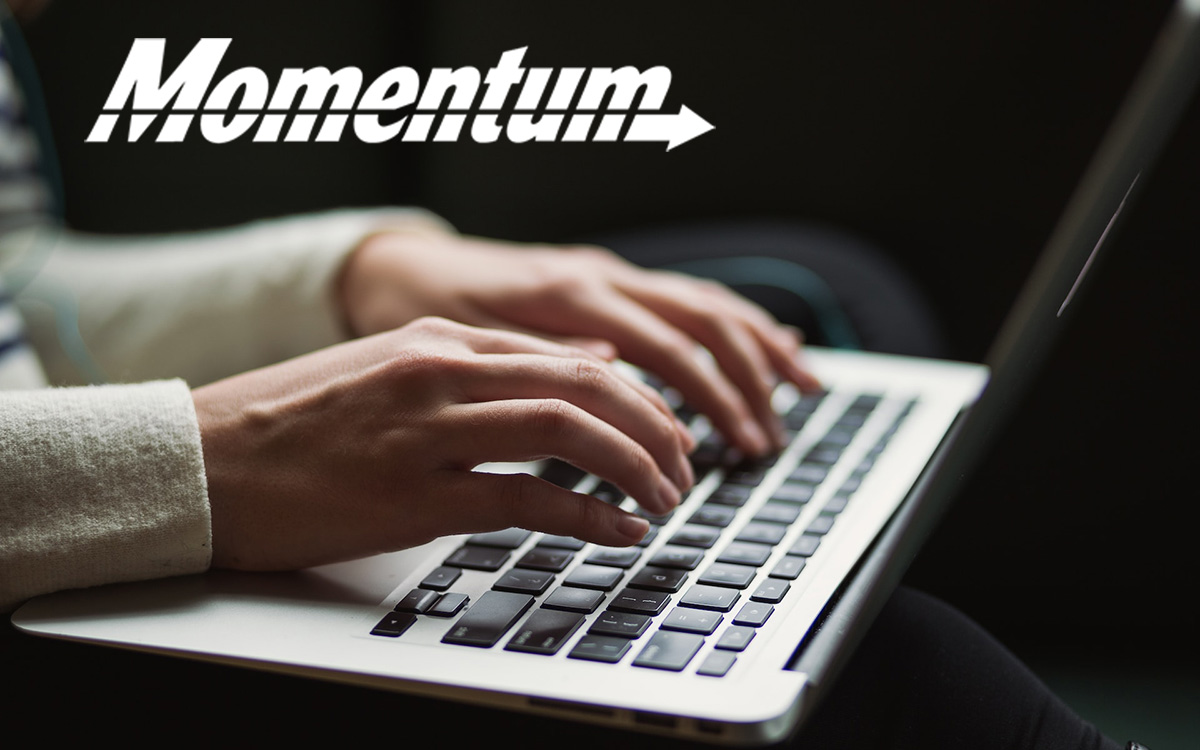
[{"x": 370, "y": 446}]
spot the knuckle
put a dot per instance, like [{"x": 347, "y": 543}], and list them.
[
  {"x": 565, "y": 287},
  {"x": 590, "y": 376},
  {"x": 714, "y": 325},
  {"x": 594, "y": 253},
  {"x": 679, "y": 348},
  {"x": 431, "y": 324},
  {"x": 553, "y": 418},
  {"x": 423, "y": 367}
]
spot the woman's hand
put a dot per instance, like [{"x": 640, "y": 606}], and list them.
[
  {"x": 589, "y": 297},
  {"x": 369, "y": 446}
]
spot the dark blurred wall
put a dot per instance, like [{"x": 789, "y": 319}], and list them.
[
  {"x": 950, "y": 133},
  {"x": 118, "y": 186}
]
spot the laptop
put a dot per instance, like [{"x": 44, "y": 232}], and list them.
[{"x": 731, "y": 620}]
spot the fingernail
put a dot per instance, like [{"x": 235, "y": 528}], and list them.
[
  {"x": 684, "y": 474},
  {"x": 753, "y": 434},
  {"x": 632, "y": 527},
  {"x": 689, "y": 441},
  {"x": 809, "y": 383},
  {"x": 668, "y": 495}
]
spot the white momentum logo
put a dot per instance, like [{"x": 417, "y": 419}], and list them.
[{"x": 583, "y": 104}]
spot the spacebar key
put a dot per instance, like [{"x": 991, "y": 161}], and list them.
[{"x": 488, "y": 619}]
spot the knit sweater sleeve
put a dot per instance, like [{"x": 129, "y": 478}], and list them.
[
  {"x": 198, "y": 305},
  {"x": 105, "y": 484},
  {"x": 99, "y": 485}
]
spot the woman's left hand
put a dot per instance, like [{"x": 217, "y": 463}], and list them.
[{"x": 589, "y": 297}]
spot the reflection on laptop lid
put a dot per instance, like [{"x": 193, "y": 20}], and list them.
[{"x": 729, "y": 622}]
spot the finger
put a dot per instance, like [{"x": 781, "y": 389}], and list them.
[
  {"x": 788, "y": 360},
  {"x": 506, "y": 338},
  {"x": 532, "y": 429},
  {"x": 780, "y": 344},
  {"x": 649, "y": 341},
  {"x": 492, "y": 341},
  {"x": 737, "y": 350},
  {"x": 638, "y": 412},
  {"x": 499, "y": 501},
  {"x": 605, "y": 350}
]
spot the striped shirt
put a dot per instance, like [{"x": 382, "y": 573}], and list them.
[{"x": 24, "y": 200}]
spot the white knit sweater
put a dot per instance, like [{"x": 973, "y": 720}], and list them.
[{"x": 100, "y": 484}]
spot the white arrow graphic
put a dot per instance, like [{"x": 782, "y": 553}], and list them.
[{"x": 674, "y": 129}]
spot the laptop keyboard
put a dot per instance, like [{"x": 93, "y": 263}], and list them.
[{"x": 715, "y": 576}]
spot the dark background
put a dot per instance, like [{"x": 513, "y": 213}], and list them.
[{"x": 949, "y": 133}]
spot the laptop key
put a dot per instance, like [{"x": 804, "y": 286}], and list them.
[
  {"x": 691, "y": 535},
  {"x": 684, "y": 558},
  {"x": 505, "y": 538},
  {"x": 653, "y": 518},
  {"x": 762, "y": 532},
  {"x": 394, "y": 624},
  {"x": 574, "y": 599},
  {"x": 441, "y": 578},
  {"x": 753, "y": 614},
  {"x": 731, "y": 494},
  {"x": 448, "y": 605},
  {"x": 659, "y": 579},
  {"x": 416, "y": 601},
  {"x": 805, "y": 545},
  {"x": 837, "y": 503},
  {"x": 618, "y": 557},
  {"x": 717, "y": 664},
  {"x": 735, "y": 638},
  {"x": 821, "y": 524},
  {"x": 727, "y": 574},
  {"x": 794, "y": 492},
  {"x": 747, "y": 474},
  {"x": 478, "y": 558},
  {"x": 602, "y": 648},
  {"x": 562, "y": 474},
  {"x": 692, "y": 621},
  {"x": 771, "y": 591},
  {"x": 521, "y": 581},
  {"x": 546, "y": 558},
  {"x": 601, "y": 578},
  {"x": 488, "y": 619},
  {"x": 544, "y": 632},
  {"x": 651, "y": 535},
  {"x": 609, "y": 493},
  {"x": 670, "y": 650},
  {"x": 713, "y": 514},
  {"x": 745, "y": 553},
  {"x": 788, "y": 568},
  {"x": 620, "y": 624},
  {"x": 710, "y": 597},
  {"x": 823, "y": 453},
  {"x": 809, "y": 473},
  {"x": 778, "y": 512},
  {"x": 640, "y": 601},
  {"x": 561, "y": 542}
]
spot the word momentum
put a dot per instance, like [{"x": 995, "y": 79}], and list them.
[{"x": 583, "y": 104}]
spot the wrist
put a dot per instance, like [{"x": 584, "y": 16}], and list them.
[{"x": 372, "y": 289}]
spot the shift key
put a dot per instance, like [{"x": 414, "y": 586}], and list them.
[{"x": 488, "y": 619}]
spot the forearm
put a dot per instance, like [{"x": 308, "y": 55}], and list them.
[{"x": 202, "y": 305}]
